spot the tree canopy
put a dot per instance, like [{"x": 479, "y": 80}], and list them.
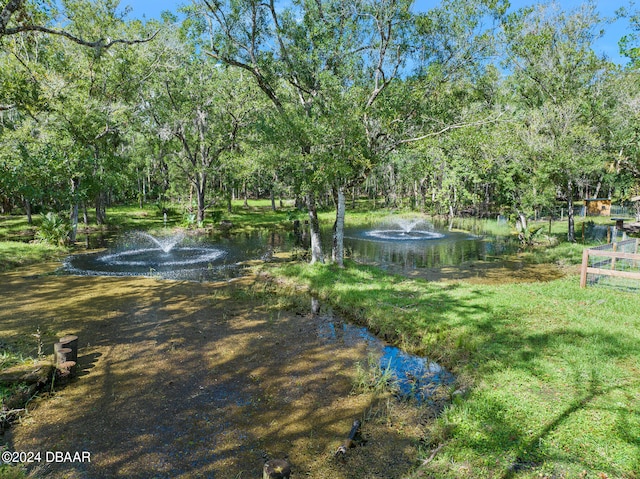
[{"x": 464, "y": 108}]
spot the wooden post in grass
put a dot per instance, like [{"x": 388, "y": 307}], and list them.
[
  {"x": 66, "y": 355},
  {"x": 62, "y": 354},
  {"x": 70, "y": 342},
  {"x": 276, "y": 469},
  {"x": 583, "y": 269}
]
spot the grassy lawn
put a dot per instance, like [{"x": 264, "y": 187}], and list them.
[
  {"x": 14, "y": 254},
  {"x": 548, "y": 371}
]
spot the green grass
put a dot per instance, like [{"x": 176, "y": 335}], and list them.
[
  {"x": 552, "y": 369},
  {"x": 14, "y": 254}
]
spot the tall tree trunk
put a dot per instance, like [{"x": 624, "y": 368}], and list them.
[
  {"x": 338, "y": 227},
  {"x": 101, "y": 215},
  {"x": 522, "y": 219},
  {"x": 571, "y": 234},
  {"x": 27, "y": 209},
  {"x": 272, "y": 195},
  {"x": 596, "y": 193},
  {"x": 201, "y": 205},
  {"x": 140, "y": 189},
  {"x": 73, "y": 217},
  {"x": 245, "y": 194},
  {"x": 314, "y": 230},
  {"x": 85, "y": 214}
]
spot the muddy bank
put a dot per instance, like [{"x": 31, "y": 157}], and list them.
[{"x": 190, "y": 380}]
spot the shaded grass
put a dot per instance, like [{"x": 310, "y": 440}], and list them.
[{"x": 552, "y": 369}]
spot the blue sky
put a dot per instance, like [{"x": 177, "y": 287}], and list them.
[{"x": 607, "y": 45}]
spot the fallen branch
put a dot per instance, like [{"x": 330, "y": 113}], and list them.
[
  {"x": 351, "y": 439},
  {"x": 12, "y": 411},
  {"x": 433, "y": 454}
]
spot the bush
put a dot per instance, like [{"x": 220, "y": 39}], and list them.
[{"x": 53, "y": 230}]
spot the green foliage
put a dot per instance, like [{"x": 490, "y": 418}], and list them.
[
  {"x": 530, "y": 235},
  {"x": 189, "y": 220},
  {"x": 54, "y": 229}
]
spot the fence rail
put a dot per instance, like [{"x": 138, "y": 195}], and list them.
[{"x": 615, "y": 259}]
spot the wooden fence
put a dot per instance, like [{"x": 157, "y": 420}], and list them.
[{"x": 619, "y": 259}]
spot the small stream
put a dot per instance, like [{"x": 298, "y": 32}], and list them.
[{"x": 414, "y": 377}]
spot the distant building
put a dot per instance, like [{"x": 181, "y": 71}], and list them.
[{"x": 598, "y": 206}]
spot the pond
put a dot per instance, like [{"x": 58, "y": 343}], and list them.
[
  {"x": 417, "y": 248},
  {"x": 173, "y": 255},
  {"x": 394, "y": 245},
  {"x": 405, "y": 246}
]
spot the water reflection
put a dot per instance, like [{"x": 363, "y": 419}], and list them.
[
  {"x": 446, "y": 249},
  {"x": 198, "y": 257},
  {"x": 416, "y": 377}
]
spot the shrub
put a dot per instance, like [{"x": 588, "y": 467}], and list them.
[{"x": 53, "y": 230}]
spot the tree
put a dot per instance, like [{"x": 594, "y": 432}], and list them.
[
  {"x": 313, "y": 60},
  {"x": 555, "y": 75},
  {"x": 74, "y": 102},
  {"x": 630, "y": 43},
  {"x": 22, "y": 16},
  {"x": 201, "y": 109}
]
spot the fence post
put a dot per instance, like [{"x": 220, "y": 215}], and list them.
[
  {"x": 613, "y": 260},
  {"x": 583, "y": 269}
]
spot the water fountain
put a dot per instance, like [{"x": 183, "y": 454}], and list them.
[
  {"x": 142, "y": 254},
  {"x": 404, "y": 229}
]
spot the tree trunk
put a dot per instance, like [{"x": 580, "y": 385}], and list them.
[
  {"x": 73, "y": 217},
  {"x": 522, "y": 219},
  {"x": 314, "y": 230},
  {"x": 74, "y": 223},
  {"x": 101, "y": 215},
  {"x": 27, "y": 208},
  {"x": 571, "y": 234},
  {"x": 140, "y": 188},
  {"x": 201, "y": 187},
  {"x": 85, "y": 214},
  {"x": 596, "y": 193},
  {"x": 273, "y": 199},
  {"x": 338, "y": 228}
]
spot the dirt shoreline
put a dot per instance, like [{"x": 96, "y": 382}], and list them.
[{"x": 196, "y": 380}]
